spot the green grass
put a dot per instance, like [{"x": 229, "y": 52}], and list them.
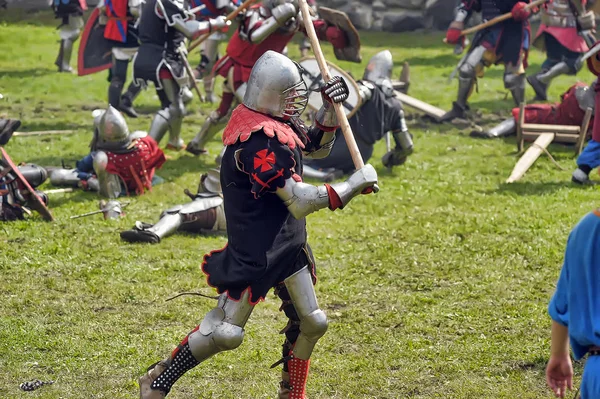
[{"x": 436, "y": 287}]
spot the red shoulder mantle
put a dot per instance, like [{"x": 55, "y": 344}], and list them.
[{"x": 245, "y": 121}]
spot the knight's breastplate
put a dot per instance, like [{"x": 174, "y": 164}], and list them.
[
  {"x": 490, "y": 9},
  {"x": 559, "y": 14}
]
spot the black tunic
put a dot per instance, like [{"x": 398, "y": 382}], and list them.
[
  {"x": 369, "y": 124},
  {"x": 508, "y": 38},
  {"x": 158, "y": 42},
  {"x": 266, "y": 244},
  {"x": 62, "y": 8}
]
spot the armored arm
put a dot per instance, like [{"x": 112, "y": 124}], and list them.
[
  {"x": 193, "y": 29},
  {"x": 258, "y": 29},
  {"x": 302, "y": 199},
  {"x": 178, "y": 18}
]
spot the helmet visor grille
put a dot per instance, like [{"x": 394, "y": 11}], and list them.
[{"x": 296, "y": 99}]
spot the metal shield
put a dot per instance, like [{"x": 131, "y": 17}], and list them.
[
  {"x": 313, "y": 78},
  {"x": 95, "y": 52},
  {"x": 34, "y": 200},
  {"x": 334, "y": 17}
]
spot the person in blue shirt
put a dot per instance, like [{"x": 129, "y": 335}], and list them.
[{"x": 575, "y": 311}]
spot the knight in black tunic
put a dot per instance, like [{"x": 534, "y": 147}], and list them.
[
  {"x": 503, "y": 43},
  {"x": 381, "y": 112},
  {"x": 266, "y": 203},
  {"x": 164, "y": 26}
]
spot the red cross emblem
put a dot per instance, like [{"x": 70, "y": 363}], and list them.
[{"x": 264, "y": 160}]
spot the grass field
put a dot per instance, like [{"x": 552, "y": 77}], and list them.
[{"x": 436, "y": 287}]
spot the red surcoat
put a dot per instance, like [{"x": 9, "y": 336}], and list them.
[
  {"x": 137, "y": 168},
  {"x": 567, "y": 112}
]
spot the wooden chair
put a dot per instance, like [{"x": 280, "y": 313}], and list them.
[{"x": 562, "y": 134}]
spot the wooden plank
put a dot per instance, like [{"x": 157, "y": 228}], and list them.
[
  {"x": 584, "y": 129},
  {"x": 558, "y": 137},
  {"x": 419, "y": 105},
  {"x": 530, "y": 156},
  {"x": 43, "y": 133},
  {"x": 535, "y": 128}
]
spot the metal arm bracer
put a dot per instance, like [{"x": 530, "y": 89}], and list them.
[
  {"x": 280, "y": 15},
  {"x": 302, "y": 199}
]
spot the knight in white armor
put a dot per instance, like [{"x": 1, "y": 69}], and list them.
[
  {"x": 71, "y": 14},
  {"x": 205, "y": 214},
  {"x": 164, "y": 26},
  {"x": 267, "y": 202},
  {"x": 564, "y": 34}
]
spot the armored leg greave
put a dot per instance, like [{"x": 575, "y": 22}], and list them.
[
  {"x": 64, "y": 56},
  {"x": 313, "y": 322},
  {"x": 204, "y": 213},
  {"x": 541, "y": 81},
  {"x": 516, "y": 84},
  {"x": 69, "y": 32},
  {"x": 307, "y": 323},
  {"x": 210, "y": 51},
  {"x": 117, "y": 81},
  {"x": 211, "y": 126},
  {"x": 169, "y": 118},
  {"x": 64, "y": 177},
  {"x": 504, "y": 129},
  {"x": 467, "y": 74},
  {"x": 126, "y": 103},
  {"x": 222, "y": 329}
]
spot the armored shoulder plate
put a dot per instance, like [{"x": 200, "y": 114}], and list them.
[{"x": 585, "y": 98}]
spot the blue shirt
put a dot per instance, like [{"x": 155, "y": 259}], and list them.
[{"x": 576, "y": 302}]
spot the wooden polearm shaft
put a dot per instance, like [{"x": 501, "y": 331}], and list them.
[
  {"x": 499, "y": 19},
  {"x": 230, "y": 17},
  {"x": 339, "y": 111}
]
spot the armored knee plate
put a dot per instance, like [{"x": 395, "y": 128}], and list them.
[
  {"x": 313, "y": 322},
  {"x": 222, "y": 328},
  {"x": 109, "y": 184},
  {"x": 516, "y": 84}
]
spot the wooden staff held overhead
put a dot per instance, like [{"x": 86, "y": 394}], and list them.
[
  {"x": 339, "y": 110},
  {"x": 499, "y": 19},
  {"x": 230, "y": 17}
]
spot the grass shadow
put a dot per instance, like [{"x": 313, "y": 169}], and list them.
[
  {"x": 534, "y": 188},
  {"x": 26, "y": 73}
]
